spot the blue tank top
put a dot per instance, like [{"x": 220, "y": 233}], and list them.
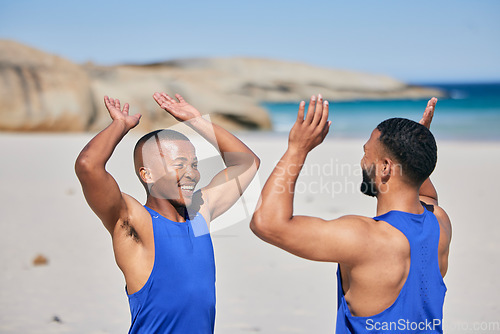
[
  {"x": 419, "y": 305},
  {"x": 179, "y": 296}
]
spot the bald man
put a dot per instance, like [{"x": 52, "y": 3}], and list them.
[{"x": 164, "y": 248}]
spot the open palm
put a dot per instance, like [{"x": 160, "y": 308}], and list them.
[
  {"x": 310, "y": 131},
  {"x": 180, "y": 109},
  {"x": 428, "y": 113},
  {"x": 117, "y": 113}
]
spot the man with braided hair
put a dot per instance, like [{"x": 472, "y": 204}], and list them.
[{"x": 391, "y": 266}]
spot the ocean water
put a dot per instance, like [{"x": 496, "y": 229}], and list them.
[{"x": 469, "y": 112}]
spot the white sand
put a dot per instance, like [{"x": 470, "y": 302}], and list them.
[{"x": 259, "y": 288}]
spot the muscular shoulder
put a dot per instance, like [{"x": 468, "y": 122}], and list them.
[
  {"x": 443, "y": 219},
  {"x": 444, "y": 237},
  {"x": 133, "y": 205},
  {"x": 377, "y": 238},
  {"x": 355, "y": 220},
  {"x": 441, "y": 215},
  {"x": 365, "y": 237},
  {"x": 362, "y": 225}
]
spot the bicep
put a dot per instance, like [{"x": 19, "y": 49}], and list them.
[
  {"x": 104, "y": 197},
  {"x": 227, "y": 187},
  {"x": 339, "y": 240},
  {"x": 428, "y": 192},
  {"x": 444, "y": 238}
]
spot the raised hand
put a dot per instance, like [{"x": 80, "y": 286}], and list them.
[
  {"x": 428, "y": 113},
  {"x": 308, "y": 133},
  {"x": 116, "y": 113},
  {"x": 180, "y": 109}
]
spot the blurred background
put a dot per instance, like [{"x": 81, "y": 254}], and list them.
[{"x": 247, "y": 65}]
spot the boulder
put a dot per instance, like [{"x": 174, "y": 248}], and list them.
[
  {"x": 200, "y": 87},
  {"x": 42, "y": 92}
]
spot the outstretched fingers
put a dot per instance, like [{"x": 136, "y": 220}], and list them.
[
  {"x": 300, "y": 114},
  {"x": 111, "y": 103},
  {"x": 431, "y": 105},
  {"x": 326, "y": 128},
  {"x": 159, "y": 98},
  {"x": 106, "y": 101},
  {"x": 117, "y": 113},
  {"x": 310, "y": 110},
  {"x": 429, "y": 113},
  {"x": 168, "y": 98},
  {"x": 180, "y": 98},
  {"x": 324, "y": 114},
  {"x": 318, "y": 111}
]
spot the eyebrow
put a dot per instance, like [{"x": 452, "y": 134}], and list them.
[{"x": 185, "y": 159}]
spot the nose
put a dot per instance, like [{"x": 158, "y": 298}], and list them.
[{"x": 192, "y": 173}]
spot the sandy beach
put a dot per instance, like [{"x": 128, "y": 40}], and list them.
[{"x": 260, "y": 288}]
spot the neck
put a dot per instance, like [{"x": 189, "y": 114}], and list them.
[
  {"x": 167, "y": 209},
  {"x": 401, "y": 198}
]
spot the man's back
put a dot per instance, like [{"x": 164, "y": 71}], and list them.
[
  {"x": 373, "y": 285},
  {"x": 394, "y": 302},
  {"x": 375, "y": 256}
]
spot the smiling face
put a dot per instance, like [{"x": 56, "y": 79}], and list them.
[{"x": 169, "y": 170}]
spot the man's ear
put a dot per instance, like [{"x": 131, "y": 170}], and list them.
[
  {"x": 387, "y": 170},
  {"x": 145, "y": 175}
]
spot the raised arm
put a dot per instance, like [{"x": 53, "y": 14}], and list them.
[
  {"x": 308, "y": 237},
  {"x": 100, "y": 189},
  {"x": 241, "y": 163},
  {"x": 428, "y": 193}
]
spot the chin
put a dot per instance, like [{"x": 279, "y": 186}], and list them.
[
  {"x": 181, "y": 202},
  {"x": 187, "y": 202}
]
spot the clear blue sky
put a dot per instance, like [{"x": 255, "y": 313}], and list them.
[{"x": 415, "y": 41}]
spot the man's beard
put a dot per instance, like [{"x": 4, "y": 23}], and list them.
[{"x": 368, "y": 186}]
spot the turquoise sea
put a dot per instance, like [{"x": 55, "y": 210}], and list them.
[{"x": 469, "y": 112}]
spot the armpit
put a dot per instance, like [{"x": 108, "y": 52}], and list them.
[{"x": 130, "y": 230}]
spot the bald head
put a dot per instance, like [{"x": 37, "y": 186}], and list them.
[{"x": 148, "y": 149}]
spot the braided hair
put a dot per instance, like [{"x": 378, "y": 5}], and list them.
[{"x": 411, "y": 145}]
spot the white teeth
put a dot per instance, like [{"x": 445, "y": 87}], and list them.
[{"x": 187, "y": 187}]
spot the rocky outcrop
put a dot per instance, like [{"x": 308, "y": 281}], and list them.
[
  {"x": 45, "y": 92},
  {"x": 279, "y": 81},
  {"x": 39, "y": 91},
  {"x": 136, "y": 85}
]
